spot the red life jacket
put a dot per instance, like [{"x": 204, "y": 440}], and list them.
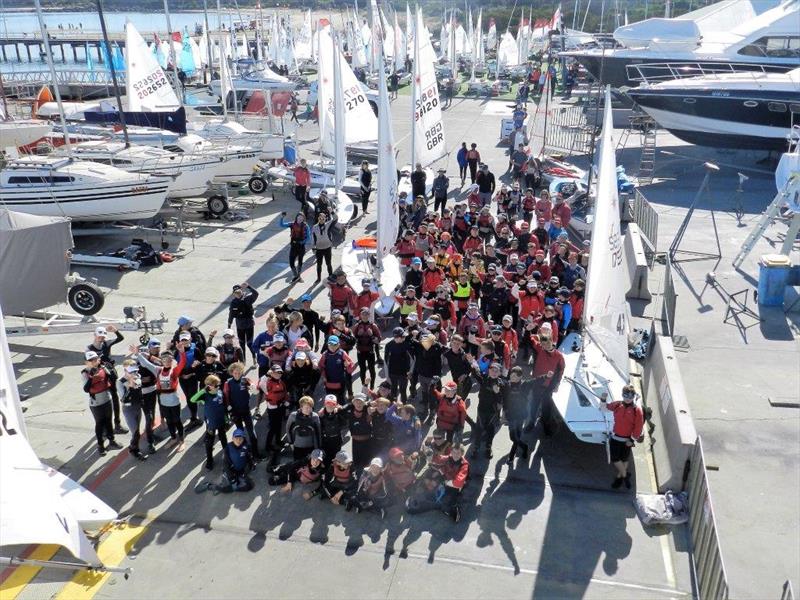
[
  {"x": 449, "y": 414},
  {"x": 401, "y": 475},
  {"x": 340, "y": 296},
  {"x": 342, "y": 475},
  {"x": 100, "y": 382},
  {"x": 297, "y": 232},
  {"x": 276, "y": 392},
  {"x": 306, "y": 475}
]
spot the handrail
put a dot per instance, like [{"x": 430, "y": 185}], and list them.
[{"x": 669, "y": 71}]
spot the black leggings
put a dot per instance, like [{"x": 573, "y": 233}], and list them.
[
  {"x": 297, "y": 251},
  {"x": 172, "y": 415},
  {"x": 399, "y": 385},
  {"x": 324, "y": 254},
  {"x": 276, "y": 416},
  {"x": 437, "y": 202},
  {"x": 149, "y": 409},
  {"x": 366, "y": 363},
  {"x": 462, "y": 172},
  {"x": 190, "y": 387},
  {"x": 365, "y": 200},
  {"x": 300, "y": 193},
  {"x": 103, "y": 427},
  {"x": 245, "y": 336},
  {"x": 473, "y": 170},
  {"x": 209, "y": 441}
]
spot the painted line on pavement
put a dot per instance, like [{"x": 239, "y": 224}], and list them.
[
  {"x": 111, "y": 551},
  {"x": 106, "y": 472},
  {"x": 14, "y": 579}
]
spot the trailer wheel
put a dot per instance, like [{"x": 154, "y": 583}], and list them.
[
  {"x": 217, "y": 205},
  {"x": 257, "y": 185},
  {"x": 85, "y": 298}
]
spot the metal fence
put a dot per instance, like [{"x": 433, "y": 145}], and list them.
[
  {"x": 709, "y": 569},
  {"x": 669, "y": 299},
  {"x": 646, "y": 217},
  {"x": 567, "y": 131}
]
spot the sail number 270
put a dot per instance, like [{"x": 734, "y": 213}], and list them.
[{"x": 353, "y": 97}]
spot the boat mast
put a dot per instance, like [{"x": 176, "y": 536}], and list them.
[
  {"x": 113, "y": 74},
  {"x": 173, "y": 57},
  {"x": 223, "y": 66},
  {"x": 208, "y": 42},
  {"x": 415, "y": 91},
  {"x": 51, "y": 67}
]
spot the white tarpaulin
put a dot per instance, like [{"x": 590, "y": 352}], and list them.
[{"x": 146, "y": 86}]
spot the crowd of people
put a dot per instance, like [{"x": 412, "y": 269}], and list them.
[{"x": 490, "y": 288}]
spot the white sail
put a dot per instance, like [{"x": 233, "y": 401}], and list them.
[
  {"x": 429, "y": 143},
  {"x": 361, "y": 123},
  {"x": 480, "y": 52},
  {"x": 491, "y": 35},
  {"x": 302, "y": 45},
  {"x": 146, "y": 85},
  {"x": 399, "y": 46},
  {"x": 507, "y": 53},
  {"x": 388, "y": 218},
  {"x": 605, "y": 315},
  {"x": 409, "y": 34},
  {"x": 32, "y": 510}
]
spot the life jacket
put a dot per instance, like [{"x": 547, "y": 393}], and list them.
[
  {"x": 462, "y": 294},
  {"x": 365, "y": 299},
  {"x": 303, "y": 426},
  {"x": 445, "y": 223},
  {"x": 342, "y": 475},
  {"x": 330, "y": 424},
  {"x": 229, "y": 354},
  {"x": 460, "y": 224},
  {"x": 401, "y": 475},
  {"x": 381, "y": 427},
  {"x": 442, "y": 260},
  {"x": 100, "y": 382},
  {"x": 373, "y": 486},
  {"x": 276, "y": 392},
  {"x": 306, "y": 474},
  {"x": 442, "y": 308},
  {"x": 363, "y": 332},
  {"x": 334, "y": 366},
  {"x": 408, "y": 306},
  {"x": 340, "y": 296},
  {"x": 278, "y": 356},
  {"x": 297, "y": 232},
  {"x": 448, "y": 415},
  {"x": 165, "y": 383},
  {"x": 485, "y": 223}
]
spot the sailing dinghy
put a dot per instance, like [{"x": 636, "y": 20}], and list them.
[
  {"x": 596, "y": 360},
  {"x": 368, "y": 259}
]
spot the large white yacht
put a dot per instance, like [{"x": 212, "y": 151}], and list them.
[{"x": 731, "y": 31}]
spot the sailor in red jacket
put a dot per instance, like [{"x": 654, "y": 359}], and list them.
[
  {"x": 442, "y": 484},
  {"x": 451, "y": 413},
  {"x": 548, "y": 368},
  {"x": 343, "y": 297},
  {"x": 628, "y": 423}
]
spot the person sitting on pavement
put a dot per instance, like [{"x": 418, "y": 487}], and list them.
[
  {"x": 442, "y": 484},
  {"x": 339, "y": 483},
  {"x": 307, "y": 472},
  {"x": 371, "y": 493}
]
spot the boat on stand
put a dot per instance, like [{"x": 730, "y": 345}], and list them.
[{"x": 596, "y": 359}]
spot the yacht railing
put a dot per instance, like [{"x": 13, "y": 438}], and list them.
[{"x": 659, "y": 72}]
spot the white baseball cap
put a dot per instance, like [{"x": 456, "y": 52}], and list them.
[{"x": 100, "y": 332}]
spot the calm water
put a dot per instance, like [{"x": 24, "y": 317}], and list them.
[{"x": 19, "y": 22}]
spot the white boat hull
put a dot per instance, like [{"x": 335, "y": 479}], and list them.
[
  {"x": 110, "y": 202},
  {"x": 357, "y": 264},
  {"x": 21, "y": 133},
  {"x": 345, "y": 209},
  {"x": 89, "y": 511},
  {"x": 236, "y": 166},
  {"x": 319, "y": 180},
  {"x": 578, "y": 408}
]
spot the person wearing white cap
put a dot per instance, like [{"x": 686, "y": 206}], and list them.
[
  {"x": 229, "y": 350},
  {"x": 102, "y": 346},
  {"x": 371, "y": 493},
  {"x": 302, "y": 376},
  {"x": 129, "y": 388},
  {"x": 97, "y": 383}
]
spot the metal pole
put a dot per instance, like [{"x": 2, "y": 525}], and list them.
[
  {"x": 209, "y": 42},
  {"x": 415, "y": 90},
  {"x": 113, "y": 74},
  {"x": 49, "y": 57},
  {"x": 173, "y": 57},
  {"x": 223, "y": 68}
]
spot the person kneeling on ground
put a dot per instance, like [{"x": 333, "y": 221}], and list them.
[
  {"x": 238, "y": 464},
  {"x": 339, "y": 484},
  {"x": 441, "y": 485},
  {"x": 371, "y": 493},
  {"x": 307, "y": 472},
  {"x": 399, "y": 472}
]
